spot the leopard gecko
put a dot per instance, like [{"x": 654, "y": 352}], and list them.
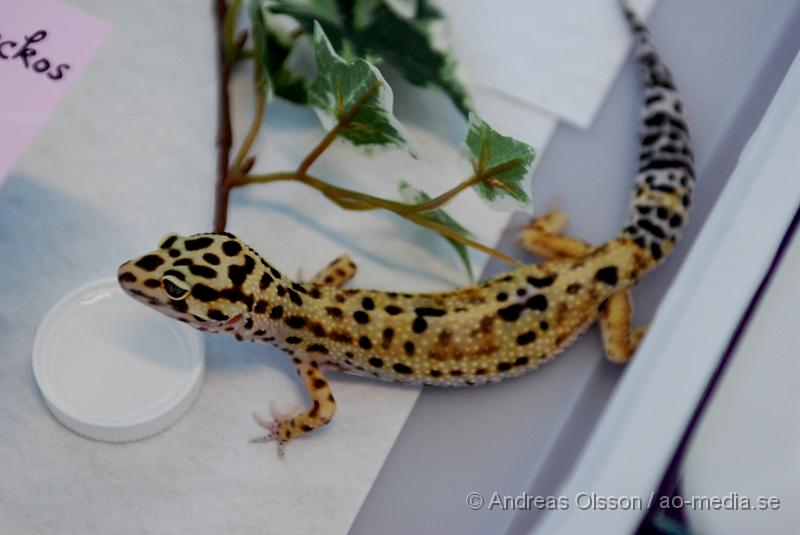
[{"x": 479, "y": 334}]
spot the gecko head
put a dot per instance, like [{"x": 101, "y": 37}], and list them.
[{"x": 206, "y": 280}]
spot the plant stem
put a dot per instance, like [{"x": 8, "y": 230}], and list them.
[
  {"x": 334, "y": 132},
  {"x": 224, "y": 134},
  {"x": 252, "y": 132},
  {"x": 353, "y": 200}
]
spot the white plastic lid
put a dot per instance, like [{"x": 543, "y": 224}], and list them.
[{"x": 112, "y": 369}]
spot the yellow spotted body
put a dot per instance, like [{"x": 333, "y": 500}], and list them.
[{"x": 482, "y": 333}]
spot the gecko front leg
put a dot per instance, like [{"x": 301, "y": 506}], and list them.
[
  {"x": 543, "y": 238},
  {"x": 282, "y": 428},
  {"x": 337, "y": 273}
]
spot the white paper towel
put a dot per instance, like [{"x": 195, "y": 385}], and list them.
[{"x": 560, "y": 56}]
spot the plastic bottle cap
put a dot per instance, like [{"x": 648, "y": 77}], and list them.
[{"x": 112, "y": 369}]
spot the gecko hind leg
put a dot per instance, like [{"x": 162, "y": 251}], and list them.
[
  {"x": 619, "y": 339},
  {"x": 543, "y": 238},
  {"x": 283, "y": 428},
  {"x": 337, "y": 273}
]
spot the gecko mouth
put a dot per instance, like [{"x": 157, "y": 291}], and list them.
[{"x": 233, "y": 321}]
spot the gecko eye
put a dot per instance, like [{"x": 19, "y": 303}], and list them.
[{"x": 175, "y": 288}]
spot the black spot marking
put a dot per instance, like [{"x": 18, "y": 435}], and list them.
[
  {"x": 248, "y": 324},
  {"x": 402, "y": 368},
  {"x": 195, "y": 244},
  {"x": 168, "y": 242},
  {"x": 436, "y": 373},
  {"x": 541, "y": 282},
  {"x": 526, "y": 338},
  {"x": 361, "y": 317},
  {"x": 456, "y": 373},
  {"x": 315, "y": 293},
  {"x": 419, "y": 325},
  {"x": 127, "y": 277},
  {"x": 203, "y": 271},
  {"x": 655, "y": 250},
  {"x": 317, "y": 329},
  {"x": 537, "y": 302},
  {"x": 295, "y": 322},
  {"x": 231, "y": 248},
  {"x": 675, "y": 221},
  {"x": 409, "y": 348},
  {"x": 238, "y": 274},
  {"x": 261, "y": 306},
  {"x": 521, "y": 292},
  {"x": 266, "y": 280},
  {"x": 503, "y": 366},
  {"x": 521, "y": 361},
  {"x": 543, "y": 325},
  {"x": 217, "y": 315},
  {"x": 317, "y": 348},
  {"x": 319, "y": 384},
  {"x": 211, "y": 258},
  {"x": 393, "y": 310},
  {"x": 375, "y": 361},
  {"x": 180, "y": 306},
  {"x": 201, "y": 292},
  {"x": 183, "y": 262},
  {"x": 368, "y": 303},
  {"x": 295, "y": 298},
  {"x": 276, "y": 312},
  {"x": 574, "y": 288},
  {"x": 428, "y": 311},
  {"x": 334, "y": 312},
  {"x": 149, "y": 262},
  {"x": 174, "y": 253},
  {"x": 365, "y": 343},
  {"x": 337, "y": 336},
  {"x": 293, "y": 340},
  {"x": 608, "y": 275},
  {"x": 502, "y": 296},
  {"x": 511, "y": 312},
  {"x": 652, "y": 228},
  {"x": 299, "y": 288},
  {"x": 152, "y": 283}
]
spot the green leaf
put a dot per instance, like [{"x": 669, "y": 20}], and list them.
[
  {"x": 353, "y": 97},
  {"x": 418, "y": 48},
  {"x": 261, "y": 49},
  {"x": 272, "y": 47},
  {"x": 507, "y": 161},
  {"x": 409, "y": 35},
  {"x": 412, "y": 195}
]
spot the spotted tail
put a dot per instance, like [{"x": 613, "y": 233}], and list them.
[{"x": 665, "y": 178}]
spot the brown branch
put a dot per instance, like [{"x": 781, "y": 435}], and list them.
[{"x": 224, "y": 130}]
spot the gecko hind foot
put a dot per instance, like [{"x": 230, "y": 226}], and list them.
[{"x": 272, "y": 428}]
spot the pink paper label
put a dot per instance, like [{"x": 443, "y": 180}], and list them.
[{"x": 44, "y": 44}]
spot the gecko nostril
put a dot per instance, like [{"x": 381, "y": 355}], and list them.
[{"x": 126, "y": 276}]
